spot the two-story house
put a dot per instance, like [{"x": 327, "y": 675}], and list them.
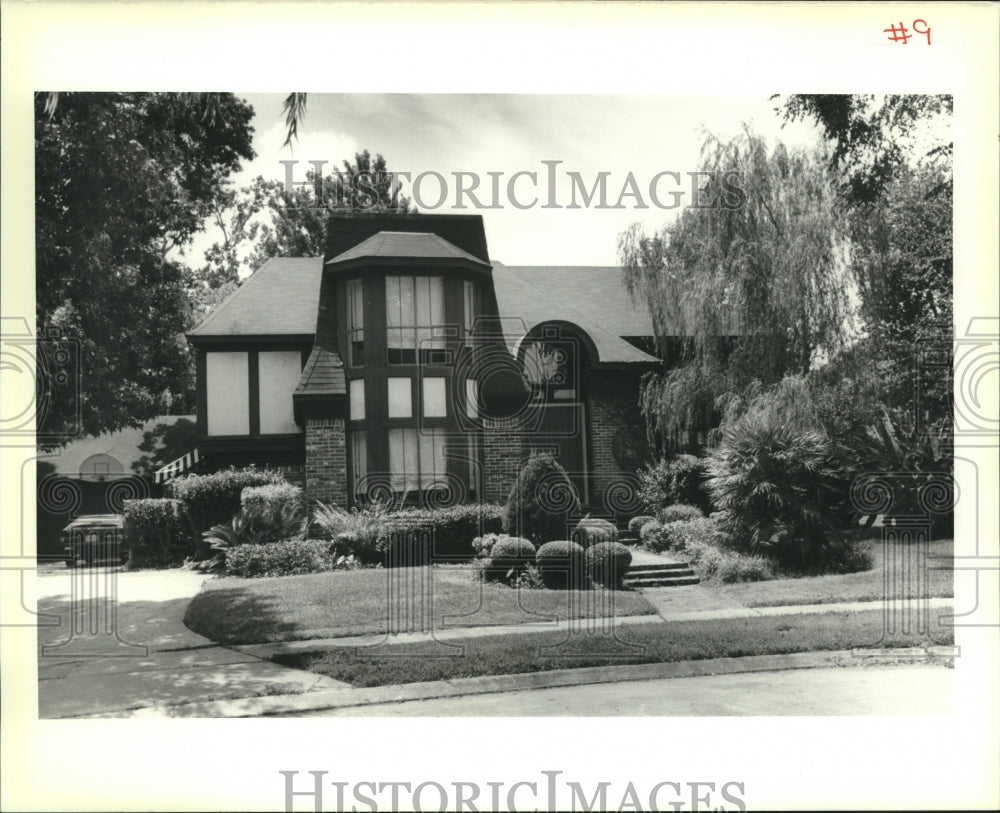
[{"x": 408, "y": 363}]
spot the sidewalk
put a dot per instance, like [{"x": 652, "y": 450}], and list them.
[{"x": 150, "y": 664}]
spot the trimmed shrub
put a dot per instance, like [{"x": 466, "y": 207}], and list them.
[
  {"x": 607, "y": 563},
  {"x": 591, "y": 531},
  {"x": 482, "y": 545},
  {"x": 155, "y": 534},
  {"x": 273, "y": 512},
  {"x": 679, "y": 480},
  {"x": 214, "y": 499},
  {"x": 562, "y": 565},
  {"x": 650, "y": 534},
  {"x": 509, "y": 557},
  {"x": 270, "y": 498},
  {"x": 416, "y": 537},
  {"x": 774, "y": 479},
  {"x": 715, "y": 564},
  {"x": 677, "y": 513},
  {"x": 849, "y": 556},
  {"x": 542, "y": 501},
  {"x": 289, "y": 557},
  {"x": 636, "y": 524}
]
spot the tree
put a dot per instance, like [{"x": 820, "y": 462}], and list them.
[
  {"x": 740, "y": 292},
  {"x": 872, "y": 136},
  {"x": 120, "y": 179}
]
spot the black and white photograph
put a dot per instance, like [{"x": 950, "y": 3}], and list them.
[{"x": 642, "y": 434}]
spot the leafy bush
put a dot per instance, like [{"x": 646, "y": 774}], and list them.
[
  {"x": 675, "y": 513},
  {"x": 715, "y": 564},
  {"x": 272, "y": 512},
  {"x": 774, "y": 480},
  {"x": 849, "y": 556},
  {"x": 591, "y": 531},
  {"x": 679, "y": 480},
  {"x": 288, "y": 557},
  {"x": 214, "y": 499},
  {"x": 562, "y": 565},
  {"x": 636, "y": 524},
  {"x": 155, "y": 534},
  {"x": 542, "y": 501},
  {"x": 649, "y": 535},
  {"x": 607, "y": 563},
  {"x": 482, "y": 545},
  {"x": 508, "y": 558},
  {"x": 419, "y": 536},
  {"x": 682, "y": 533}
]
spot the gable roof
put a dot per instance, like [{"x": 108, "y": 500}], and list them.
[
  {"x": 347, "y": 229},
  {"x": 279, "y": 298},
  {"x": 404, "y": 245},
  {"x": 592, "y": 297}
]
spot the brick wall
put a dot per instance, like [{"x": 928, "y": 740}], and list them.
[
  {"x": 613, "y": 411},
  {"x": 326, "y": 461},
  {"x": 504, "y": 453}
]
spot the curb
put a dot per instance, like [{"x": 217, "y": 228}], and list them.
[{"x": 325, "y": 699}]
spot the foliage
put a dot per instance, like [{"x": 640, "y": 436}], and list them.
[
  {"x": 120, "y": 179},
  {"x": 680, "y": 479},
  {"x": 675, "y": 513},
  {"x": 154, "y": 534},
  {"x": 562, "y": 565},
  {"x": 289, "y": 557},
  {"x": 872, "y": 136},
  {"x": 659, "y": 537},
  {"x": 508, "y": 558},
  {"x": 590, "y": 531},
  {"x": 214, "y": 499},
  {"x": 608, "y": 562},
  {"x": 482, "y": 545},
  {"x": 541, "y": 501},
  {"x": 774, "y": 481},
  {"x": 272, "y": 512},
  {"x": 758, "y": 282},
  {"x": 636, "y": 524}
]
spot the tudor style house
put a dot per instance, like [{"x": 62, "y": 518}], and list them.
[{"x": 408, "y": 364}]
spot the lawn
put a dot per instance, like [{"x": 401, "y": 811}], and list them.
[
  {"x": 356, "y": 602},
  {"x": 646, "y": 643},
  {"x": 896, "y": 574}
]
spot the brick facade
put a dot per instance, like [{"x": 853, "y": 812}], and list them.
[
  {"x": 326, "y": 461},
  {"x": 504, "y": 452},
  {"x": 617, "y": 436}
]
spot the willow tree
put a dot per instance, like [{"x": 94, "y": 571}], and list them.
[{"x": 747, "y": 287}]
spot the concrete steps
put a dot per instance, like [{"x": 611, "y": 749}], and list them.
[{"x": 667, "y": 574}]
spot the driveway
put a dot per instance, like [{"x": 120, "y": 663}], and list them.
[{"x": 112, "y": 640}]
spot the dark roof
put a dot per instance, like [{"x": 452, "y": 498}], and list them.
[
  {"x": 591, "y": 297},
  {"x": 279, "y": 298},
  {"x": 408, "y": 246},
  {"x": 323, "y": 374},
  {"x": 346, "y": 230}
]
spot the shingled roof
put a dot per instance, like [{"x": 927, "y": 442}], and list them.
[
  {"x": 323, "y": 374},
  {"x": 592, "y": 297},
  {"x": 279, "y": 299},
  {"x": 406, "y": 246}
]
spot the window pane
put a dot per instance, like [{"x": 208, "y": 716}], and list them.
[
  {"x": 432, "y": 460},
  {"x": 413, "y": 305},
  {"x": 279, "y": 373},
  {"x": 471, "y": 398},
  {"x": 400, "y": 398},
  {"x": 357, "y": 399},
  {"x": 469, "y": 312},
  {"x": 434, "y": 398},
  {"x": 228, "y": 393},
  {"x": 359, "y": 459},
  {"x": 404, "y": 461}
]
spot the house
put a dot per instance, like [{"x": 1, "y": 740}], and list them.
[{"x": 407, "y": 363}]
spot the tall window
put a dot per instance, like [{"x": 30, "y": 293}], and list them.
[
  {"x": 469, "y": 311},
  {"x": 416, "y": 459},
  {"x": 359, "y": 461},
  {"x": 356, "y": 321},
  {"x": 414, "y": 307}
]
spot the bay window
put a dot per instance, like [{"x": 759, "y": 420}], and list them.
[{"x": 414, "y": 307}]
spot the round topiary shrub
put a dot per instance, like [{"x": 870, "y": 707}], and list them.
[
  {"x": 541, "y": 501},
  {"x": 591, "y": 531},
  {"x": 562, "y": 565},
  {"x": 607, "y": 563},
  {"x": 650, "y": 534},
  {"x": 679, "y": 513},
  {"x": 510, "y": 553},
  {"x": 636, "y": 524}
]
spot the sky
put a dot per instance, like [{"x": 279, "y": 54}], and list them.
[{"x": 506, "y": 133}]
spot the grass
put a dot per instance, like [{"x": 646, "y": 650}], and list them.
[
  {"x": 646, "y": 643},
  {"x": 357, "y": 602},
  {"x": 891, "y": 560}
]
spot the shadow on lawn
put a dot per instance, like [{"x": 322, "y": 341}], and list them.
[{"x": 236, "y": 615}]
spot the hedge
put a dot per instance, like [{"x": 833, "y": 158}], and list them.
[
  {"x": 289, "y": 557},
  {"x": 214, "y": 499},
  {"x": 155, "y": 534},
  {"x": 590, "y": 531},
  {"x": 607, "y": 563},
  {"x": 562, "y": 564},
  {"x": 416, "y": 537},
  {"x": 679, "y": 513},
  {"x": 636, "y": 524}
]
